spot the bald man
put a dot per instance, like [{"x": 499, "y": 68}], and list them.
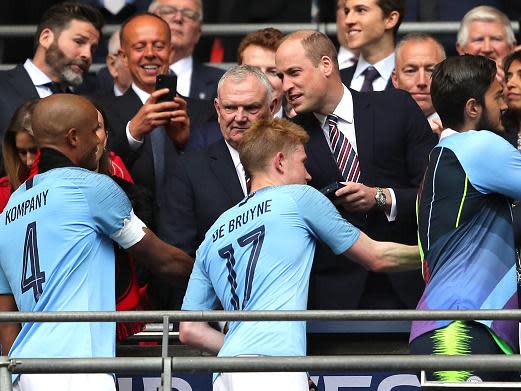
[{"x": 59, "y": 226}]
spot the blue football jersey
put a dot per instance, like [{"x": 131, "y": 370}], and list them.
[
  {"x": 56, "y": 255},
  {"x": 258, "y": 256},
  {"x": 465, "y": 230}
]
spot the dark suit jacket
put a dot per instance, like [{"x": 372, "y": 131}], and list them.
[
  {"x": 347, "y": 74},
  {"x": 97, "y": 85},
  {"x": 203, "y": 84},
  {"x": 393, "y": 142},
  {"x": 199, "y": 187},
  {"x": 16, "y": 88},
  {"x": 141, "y": 162},
  {"x": 203, "y": 136}
]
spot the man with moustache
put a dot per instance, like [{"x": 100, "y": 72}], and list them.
[{"x": 65, "y": 40}]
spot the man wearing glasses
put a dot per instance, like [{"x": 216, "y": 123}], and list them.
[{"x": 185, "y": 19}]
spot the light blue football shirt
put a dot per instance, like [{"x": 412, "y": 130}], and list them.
[
  {"x": 258, "y": 256},
  {"x": 56, "y": 255}
]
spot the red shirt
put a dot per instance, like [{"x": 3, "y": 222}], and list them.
[{"x": 5, "y": 192}]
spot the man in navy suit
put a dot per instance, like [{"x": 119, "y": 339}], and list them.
[
  {"x": 184, "y": 17},
  {"x": 371, "y": 27},
  {"x": 203, "y": 184},
  {"x": 65, "y": 40},
  {"x": 145, "y": 133},
  {"x": 377, "y": 144}
]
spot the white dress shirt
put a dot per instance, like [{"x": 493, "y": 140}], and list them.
[
  {"x": 183, "y": 70},
  {"x": 241, "y": 174},
  {"x": 38, "y": 78},
  {"x": 279, "y": 114},
  {"x": 384, "y": 67},
  {"x": 346, "y": 58},
  {"x": 346, "y": 125},
  {"x": 117, "y": 91},
  {"x": 143, "y": 96}
]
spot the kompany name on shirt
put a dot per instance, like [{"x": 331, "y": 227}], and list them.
[{"x": 26, "y": 207}]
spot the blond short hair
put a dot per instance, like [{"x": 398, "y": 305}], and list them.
[{"x": 267, "y": 137}]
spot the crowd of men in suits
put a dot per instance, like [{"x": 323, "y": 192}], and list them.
[{"x": 184, "y": 152}]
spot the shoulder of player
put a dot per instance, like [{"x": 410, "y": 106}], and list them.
[
  {"x": 473, "y": 141},
  {"x": 79, "y": 178}
]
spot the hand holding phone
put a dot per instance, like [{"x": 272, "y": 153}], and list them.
[
  {"x": 166, "y": 81},
  {"x": 329, "y": 190}
]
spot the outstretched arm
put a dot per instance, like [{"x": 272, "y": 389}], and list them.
[
  {"x": 383, "y": 256},
  {"x": 201, "y": 336},
  {"x": 160, "y": 257}
]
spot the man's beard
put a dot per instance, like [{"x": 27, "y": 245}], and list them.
[
  {"x": 56, "y": 59},
  {"x": 485, "y": 123}
]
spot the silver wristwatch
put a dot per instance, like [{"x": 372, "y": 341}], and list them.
[{"x": 380, "y": 198}]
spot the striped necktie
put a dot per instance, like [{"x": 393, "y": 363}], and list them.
[{"x": 345, "y": 155}]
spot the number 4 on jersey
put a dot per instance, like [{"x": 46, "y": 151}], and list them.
[{"x": 36, "y": 279}]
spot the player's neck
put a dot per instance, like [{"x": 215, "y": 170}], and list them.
[{"x": 261, "y": 181}]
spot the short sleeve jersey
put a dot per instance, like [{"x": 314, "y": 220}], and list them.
[
  {"x": 56, "y": 255},
  {"x": 465, "y": 229},
  {"x": 258, "y": 256}
]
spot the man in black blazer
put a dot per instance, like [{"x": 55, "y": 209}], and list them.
[
  {"x": 136, "y": 118},
  {"x": 65, "y": 40},
  {"x": 195, "y": 80},
  {"x": 392, "y": 140},
  {"x": 203, "y": 184},
  {"x": 371, "y": 27}
]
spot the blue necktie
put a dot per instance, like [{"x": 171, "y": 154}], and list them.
[
  {"x": 158, "y": 139},
  {"x": 370, "y": 75}
]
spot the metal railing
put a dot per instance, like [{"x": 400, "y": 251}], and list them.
[
  {"x": 239, "y": 29},
  {"x": 209, "y": 316},
  {"x": 165, "y": 365}
]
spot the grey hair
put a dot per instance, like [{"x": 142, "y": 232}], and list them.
[
  {"x": 155, "y": 4},
  {"x": 484, "y": 13},
  {"x": 420, "y": 37},
  {"x": 238, "y": 73},
  {"x": 114, "y": 44}
]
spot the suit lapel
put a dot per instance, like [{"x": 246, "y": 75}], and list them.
[
  {"x": 198, "y": 84},
  {"x": 389, "y": 85},
  {"x": 222, "y": 166},
  {"x": 130, "y": 103},
  {"x": 364, "y": 131},
  {"x": 22, "y": 83}
]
